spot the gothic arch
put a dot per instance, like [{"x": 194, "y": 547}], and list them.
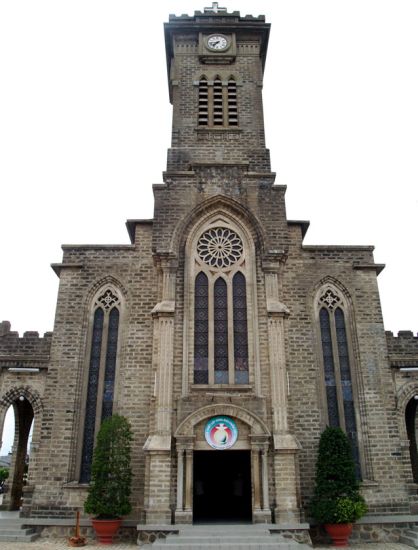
[
  {"x": 332, "y": 282},
  {"x": 221, "y": 214},
  {"x": 27, "y": 392},
  {"x": 222, "y": 205},
  {"x": 27, "y": 406},
  {"x": 407, "y": 421},
  {"x": 404, "y": 396},
  {"x": 337, "y": 372},
  {"x": 107, "y": 280},
  {"x": 105, "y": 311},
  {"x": 257, "y": 426}
]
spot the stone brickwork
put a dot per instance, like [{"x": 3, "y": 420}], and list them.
[{"x": 214, "y": 176}]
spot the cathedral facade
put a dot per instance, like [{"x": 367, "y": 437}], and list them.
[{"x": 227, "y": 343}]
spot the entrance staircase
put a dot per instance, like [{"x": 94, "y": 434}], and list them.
[
  {"x": 13, "y": 528},
  {"x": 227, "y": 537},
  {"x": 410, "y": 537}
]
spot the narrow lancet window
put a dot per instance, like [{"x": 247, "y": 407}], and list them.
[
  {"x": 101, "y": 373},
  {"x": 240, "y": 329},
  {"x": 337, "y": 368},
  {"x": 201, "y": 329},
  {"x": 110, "y": 368},
  {"x": 93, "y": 383},
  {"x": 220, "y": 316},
  {"x": 329, "y": 370}
]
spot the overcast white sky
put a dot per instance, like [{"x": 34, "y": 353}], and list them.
[{"x": 85, "y": 124}]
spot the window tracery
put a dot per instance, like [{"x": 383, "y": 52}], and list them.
[
  {"x": 103, "y": 348},
  {"x": 221, "y": 348},
  {"x": 337, "y": 366}
]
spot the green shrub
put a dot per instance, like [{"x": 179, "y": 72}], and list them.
[
  {"x": 336, "y": 497},
  {"x": 111, "y": 476},
  {"x": 4, "y": 474}
]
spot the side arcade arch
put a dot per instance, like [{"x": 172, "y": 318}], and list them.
[{"x": 27, "y": 407}]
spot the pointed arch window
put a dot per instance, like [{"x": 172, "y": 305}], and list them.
[
  {"x": 103, "y": 349},
  {"x": 337, "y": 366},
  {"x": 218, "y": 105},
  {"x": 220, "y": 309}
]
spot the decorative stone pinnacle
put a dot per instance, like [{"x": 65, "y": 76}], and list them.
[{"x": 215, "y": 9}]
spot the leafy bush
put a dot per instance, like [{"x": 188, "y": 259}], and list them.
[
  {"x": 4, "y": 474},
  {"x": 336, "y": 497},
  {"x": 111, "y": 475}
]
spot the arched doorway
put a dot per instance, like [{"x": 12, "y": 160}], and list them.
[
  {"x": 23, "y": 421},
  {"x": 229, "y": 485},
  {"x": 411, "y": 427}
]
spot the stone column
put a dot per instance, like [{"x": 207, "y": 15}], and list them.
[
  {"x": 180, "y": 480},
  {"x": 255, "y": 468},
  {"x": 189, "y": 481},
  {"x": 285, "y": 445},
  {"x": 265, "y": 479},
  {"x": 261, "y": 509},
  {"x": 158, "y": 443},
  {"x": 184, "y": 510}
]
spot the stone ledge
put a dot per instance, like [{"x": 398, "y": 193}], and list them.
[
  {"x": 68, "y": 522},
  {"x": 402, "y": 518}
]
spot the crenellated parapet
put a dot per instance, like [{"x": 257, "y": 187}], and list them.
[
  {"x": 27, "y": 348},
  {"x": 402, "y": 349}
]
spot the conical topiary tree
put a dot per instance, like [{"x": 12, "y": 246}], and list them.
[
  {"x": 111, "y": 475},
  {"x": 336, "y": 497}
]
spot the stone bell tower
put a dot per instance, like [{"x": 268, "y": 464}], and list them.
[
  {"x": 215, "y": 63},
  {"x": 219, "y": 185}
]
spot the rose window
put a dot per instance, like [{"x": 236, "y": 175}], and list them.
[{"x": 220, "y": 247}]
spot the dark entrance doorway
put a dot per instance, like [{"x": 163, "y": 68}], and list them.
[
  {"x": 410, "y": 419},
  {"x": 222, "y": 486},
  {"x": 24, "y": 415}
]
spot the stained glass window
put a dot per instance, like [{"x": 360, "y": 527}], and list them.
[
  {"x": 346, "y": 385},
  {"x": 220, "y": 316},
  {"x": 102, "y": 372},
  {"x": 329, "y": 370},
  {"x": 201, "y": 329},
  {"x": 220, "y": 308},
  {"x": 93, "y": 382},
  {"x": 337, "y": 369},
  {"x": 240, "y": 329},
  {"x": 110, "y": 367}
]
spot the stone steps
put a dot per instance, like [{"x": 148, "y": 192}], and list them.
[
  {"x": 231, "y": 537},
  {"x": 410, "y": 537},
  {"x": 14, "y": 530}
]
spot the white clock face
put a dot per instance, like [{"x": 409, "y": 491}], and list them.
[{"x": 217, "y": 42}]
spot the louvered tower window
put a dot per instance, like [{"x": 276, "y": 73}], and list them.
[
  {"x": 232, "y": 103},
  {"x": 203, "y": 102},
  {"x": 217, "y": 103},
  {"x": 101, "y": 373},
  {"x": 337, "y": 368}
]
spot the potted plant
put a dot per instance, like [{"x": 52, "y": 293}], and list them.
[
  {"x": 111, "y": 477},
  {"x": 337, "y": 502}
]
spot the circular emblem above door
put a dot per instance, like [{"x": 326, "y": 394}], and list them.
[{"x": 221, "y": 432}]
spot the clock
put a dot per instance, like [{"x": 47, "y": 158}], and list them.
[{"x": 217, "y": 42}]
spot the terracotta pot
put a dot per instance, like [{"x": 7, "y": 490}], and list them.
[
  {"x": 106, "y": 529},
  {"x": 339, "y": 532}
]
